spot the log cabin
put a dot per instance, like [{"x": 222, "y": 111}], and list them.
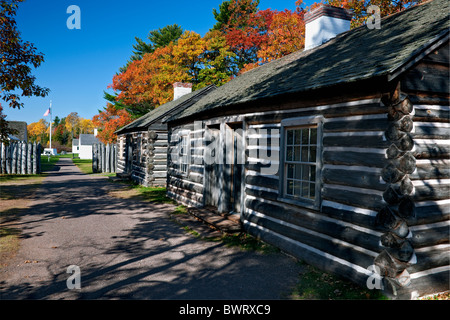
[
  {"x": 337, "y": 154},
  {"x": 142, "y": 144}
]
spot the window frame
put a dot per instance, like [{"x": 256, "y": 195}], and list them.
[
  {"x": 299, "y": 123},
  {"x": 185, "y": 134}
]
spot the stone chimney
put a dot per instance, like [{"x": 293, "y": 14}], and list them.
[
  {"x": 325, "y": 22},
  {"x": 180, "y": 89}
]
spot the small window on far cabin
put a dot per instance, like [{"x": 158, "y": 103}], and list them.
[
  {"x": 184, "y": 153},
  {"x": 302, "y": 161}
]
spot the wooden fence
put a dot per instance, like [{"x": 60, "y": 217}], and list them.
[
  {"x": 20, "y": 158},
  {"x": 104, "y": 158}
]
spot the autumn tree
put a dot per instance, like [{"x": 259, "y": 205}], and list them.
[
  {"x": 360, "y": 7},
  {"x": 38, "y": 131},
  {"x": 72, "y": 123},
  {"x": 86, "y": 126},
  {"x": 17, "y": 58},
  {"x": 285, "y": 35},
  {"x": 110, "y": 120},
  {"x": 158, "y": 38},
  {"x": 245, "y": 30}
]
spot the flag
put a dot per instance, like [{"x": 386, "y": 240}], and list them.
[{"x": 47, "y": 112}]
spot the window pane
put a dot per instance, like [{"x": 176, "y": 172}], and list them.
[
  {"x": 289, "y": 153},
  {"x": 297, "y": 185},
  {"x": 305, "y": 136},
  {"x": 312, "y": 190},
  {"x": 313, "y": 138},
  {"x": 305, "y": 173},
  {"x": 296, "y": 153},
  {"x": 290, "y": 187},
  {"x": 304, "y": 154},
  {"x": 298, "y": 135},
  {"x": 298, "y": 171},
  {"x": 290, "y": 137},
  {"x": 313, "y": 174},
  {"x": 305, "y": 190},
  {"x": 290, "y": 171},
  {"x": 312, "y": 154}
]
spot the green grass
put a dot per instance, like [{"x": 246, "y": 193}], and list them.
[
  {"x": 318, "y": 285},
  {"x": 47, "y": 162},
  {"x": 85, "y": 165},
  {"x": 247, "y": 242}
]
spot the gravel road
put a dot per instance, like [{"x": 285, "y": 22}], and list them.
[{"x": 127, "y": 249}]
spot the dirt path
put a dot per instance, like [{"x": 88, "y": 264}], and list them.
[{"x": 127, "y": 250}]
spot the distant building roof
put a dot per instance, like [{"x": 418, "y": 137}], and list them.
[
  {"x": 88, "y": 139},
  {"x": 75, "y": 142}
]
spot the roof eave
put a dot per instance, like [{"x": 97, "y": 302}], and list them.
[{"x": 419, "y": 54}]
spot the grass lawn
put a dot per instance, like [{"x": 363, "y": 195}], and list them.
[
  {"x": 314, "y": 284},
  {"x": 85, "y": 165}
]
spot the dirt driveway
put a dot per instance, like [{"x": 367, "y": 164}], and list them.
[{"x": 126, "y": 249}]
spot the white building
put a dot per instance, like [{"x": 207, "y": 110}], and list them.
[{"x": 83, "y": 145}]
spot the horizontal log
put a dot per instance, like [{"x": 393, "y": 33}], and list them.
[
  {"x": 426, "y": 78},
  {"x": 332, "y": 111},
  {"x": 316, "y": 222},
  {"x": 262, "y": 181},
  {"x": 372, "y": 141},
  {"x": 356, "y": 125},
  {"x": 357, "y": 216},
  {"x": 309, "y": 254},
  {"x": 430, "y": 236},
  {"x": 185, "y": 184},
  {"x": 355, "y": 158},
  {"x": 435, "y": 115},
  {"x": 431, "y": 149},
  {"x": 431, "y": 130},
  {"x": 263, "y": 194},
  {"x": 363, "y": 198},
  {"x": 428, "y": 191},
  {"x": 183, "y": 200},
  {"x": 316, "y": 240},
  {"x": 431, "y": 257},
  {"x": 430, "y": 212},
  {"x": 354, "y": 178},
  {"x": 186, "y": 194}
]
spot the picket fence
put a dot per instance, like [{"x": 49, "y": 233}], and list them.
[
  {"x": 104, "y": 158},
  {"x": 20, "y": 158}
]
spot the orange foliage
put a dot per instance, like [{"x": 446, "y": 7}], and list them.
[{"x": 110, "y": 120}]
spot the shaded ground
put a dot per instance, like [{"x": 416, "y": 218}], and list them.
[{"x": 127, "y": 249}]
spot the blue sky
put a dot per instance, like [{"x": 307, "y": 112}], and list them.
[{"x": 80, "y": 64}]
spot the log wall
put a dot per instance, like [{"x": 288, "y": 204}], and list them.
[
  {"x": 20, "y": 158},
  {"x": 143, "y": 157},
  {"x": 384, "y": 182}
]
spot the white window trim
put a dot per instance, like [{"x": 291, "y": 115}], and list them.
[
  {"x": 187, "y": 134},
  {"x": 295, "y": 123}
]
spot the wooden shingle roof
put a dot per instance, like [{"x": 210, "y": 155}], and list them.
[
  {"x": 352, "y": 56},
  {"x": 168, "y": 109}
]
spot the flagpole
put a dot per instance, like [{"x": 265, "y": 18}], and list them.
[{"x": 50, "y": 124}]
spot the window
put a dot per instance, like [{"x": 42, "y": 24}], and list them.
[
  {"x": 184, "y": 153},
  {"x": 301, "y": 161},
  {"x": 300, "y": 164}
]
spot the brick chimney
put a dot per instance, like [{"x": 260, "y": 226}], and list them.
[
  {"x": 325, "y": 22},
  {"x": 180, "y": 89}
]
